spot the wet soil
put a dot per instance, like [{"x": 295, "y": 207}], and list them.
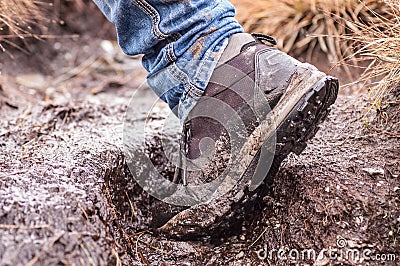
[{"x": 67, "y": 196}]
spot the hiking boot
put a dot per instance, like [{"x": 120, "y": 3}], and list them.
[{"x": 259, "y": 106}]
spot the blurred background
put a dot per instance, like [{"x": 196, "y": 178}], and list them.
[{"x": 355, "y": 40}]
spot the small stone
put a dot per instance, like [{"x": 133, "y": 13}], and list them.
[
  {"x": 327, "y": 189},
  {"x": 57, "y": 46},
  {"x": 240, "y": 255},
  {"x": 32, "y": 80},
  {"x": 107, "y": 47},
  {"x": 352, "y": 244},
  {"x": 396, "y": 189},
  {"x": 374, "y": 171}
]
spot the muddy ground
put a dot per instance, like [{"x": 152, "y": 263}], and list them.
[{"x": 67, "y": 197}]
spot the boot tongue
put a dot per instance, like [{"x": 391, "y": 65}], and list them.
[
  {"x": 235, "y": 44},
  {"x": 238, "y": 40}
]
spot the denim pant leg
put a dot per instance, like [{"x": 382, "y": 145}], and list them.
[{"x": 181, "y": 41}]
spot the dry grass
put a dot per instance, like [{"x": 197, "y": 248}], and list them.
[
  {"x": 17, "y": 17},
  {"x": 380, "y": 43},
  {"x": 22, "y": 19},
  {"x": 303, "y": 25}
]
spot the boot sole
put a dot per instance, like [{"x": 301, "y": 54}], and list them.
[{"x": 302, "y": 123}]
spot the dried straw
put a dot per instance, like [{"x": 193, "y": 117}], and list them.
[
  {"x": 304, "y": 25},
  {"x": 379, "y": 42},
  {"x": 17, "y": 17}
]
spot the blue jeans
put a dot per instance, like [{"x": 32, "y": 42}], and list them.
[{"x": 181, "y": 41}]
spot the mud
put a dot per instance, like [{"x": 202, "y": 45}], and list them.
[{"x": 67, "y": 196}]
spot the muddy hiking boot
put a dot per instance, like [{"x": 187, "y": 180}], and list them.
[{"x": 259, "y": 106}]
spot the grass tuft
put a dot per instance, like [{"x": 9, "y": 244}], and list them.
[
  {"x": 301, "y": 26},
  {"x": 18, "y": 18},
  {"x": 379, "y": 43}
]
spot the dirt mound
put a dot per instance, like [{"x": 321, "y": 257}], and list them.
[{"x": 59, "y": 205}]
